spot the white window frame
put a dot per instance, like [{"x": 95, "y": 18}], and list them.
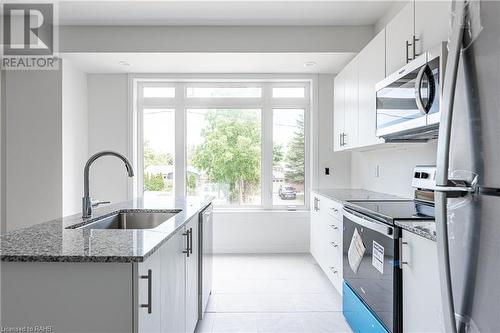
[{"x": 181, "y": 103}]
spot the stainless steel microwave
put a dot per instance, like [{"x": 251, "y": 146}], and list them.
[{"x": 408, "y": 101}]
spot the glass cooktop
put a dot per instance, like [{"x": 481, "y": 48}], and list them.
[{"x": 391, "y": 211}]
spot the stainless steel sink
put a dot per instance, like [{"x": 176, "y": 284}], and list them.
[{"x": 132, "y": 220}]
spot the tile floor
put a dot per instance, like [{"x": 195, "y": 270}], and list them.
[{"x": 272, "y": 294}]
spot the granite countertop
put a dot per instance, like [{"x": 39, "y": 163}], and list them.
[
  {"x": 349, "y": 194},
  {"x": 426, "y": 229},
  {"x": 52, "y": 241}
]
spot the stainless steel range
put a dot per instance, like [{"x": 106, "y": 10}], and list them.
[{"x": 372, "y": 241}]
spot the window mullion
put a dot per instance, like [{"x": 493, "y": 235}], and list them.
[
  {"x": 267, "y": 147},
  {"x": 180, "y": 142}
]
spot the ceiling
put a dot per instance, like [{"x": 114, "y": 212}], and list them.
[
  {"x": 326, "y": 62},
  {"x": 233, "y": 12}
]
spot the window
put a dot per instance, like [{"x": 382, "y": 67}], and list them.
[
  {"x": 289, "y": 92},
  {"x": 158, "y": 152},
  {"x": 288, "y": 157},
  {"x": 242, "y": 143},
  {"x": 224, "y": 92},
  {"x": 168, "y": 92},
  {"x": 224, "y": 155}
]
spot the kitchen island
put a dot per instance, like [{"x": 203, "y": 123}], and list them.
[{"x": 65, "y": 275}]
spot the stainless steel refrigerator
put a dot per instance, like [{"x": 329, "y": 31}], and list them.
[{"x": 468, "y": 179}]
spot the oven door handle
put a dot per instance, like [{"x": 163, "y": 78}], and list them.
[{"x": 371, "y": 224}]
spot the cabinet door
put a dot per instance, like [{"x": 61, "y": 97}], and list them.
[
  {"x": 173, "y": 276},
  {"x": 338, "y": 111},
  {"x": 399, "y": 30},
  {"x": 351, "y": 104},
  {"x": 432, "y": 20},
  {"x": 192, "y": 276},
  {"x": 149, "y": 294},
  {"x": 315, "y": 224},
  {"x": 371, "y": 67},
  {"x": 421, "y": 291}
]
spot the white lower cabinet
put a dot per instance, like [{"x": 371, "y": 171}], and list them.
[
  {"x": 192, "y": 276},
  {"x": 173, "y": 270},
  {"x": 315, "y": 226},
  {"x": 422, "y": 307},
  {"x": 168, "y": 285},
  {"x": 150, "y": 287},
  {"x": 326, "y": 237},
  {"x": 158, "y": 295}
]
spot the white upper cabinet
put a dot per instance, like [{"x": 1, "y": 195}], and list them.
[
  {"x": 345, "y": 119},
  {"x": 371, "y": 68},
  {"x": 432, "y": 21},
  {"x": 354, "y": 97},
  {"x": 419, "y": 27},
  {"x": 351, "y": 104},
  {"x": 399, "y": 33},
  {"x": 338, "y": 111}
]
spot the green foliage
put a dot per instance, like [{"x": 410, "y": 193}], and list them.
[
  {"x": 296, "y": 154},
  {"x": 230, "y": 151},
  {"x": 154, "y": 158},
  {"x": 153, "y": 182},
  {"x": 278, "y": 154},
  {"x": 191, "y": 183}
]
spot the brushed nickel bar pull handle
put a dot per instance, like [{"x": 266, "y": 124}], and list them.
[
  {"x": 408, "y": 44},
  {"x": 334, "y": 244},
  {"x": 149, "y": 277},
  {"x": 186, "y": 251},
  {"x": 415, "y": 40},
  {"x": 190, "y": 240},
  {"x": 334, "y": 227}
]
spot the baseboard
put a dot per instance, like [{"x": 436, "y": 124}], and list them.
[{"x": 254, "y": 250}]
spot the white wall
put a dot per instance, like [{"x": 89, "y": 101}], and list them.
[
  {"x": 74, "y": 136},
  {"x": 108, "y": 130},
  {"x": 261, "y": 232},
  {"x": 33, "y": 153},
  {"x": 339, "y": 162},
  {"x": 389, "y": 15},
  {"x": 214, "y": 38},
  {"x": 395, "y": 167}
]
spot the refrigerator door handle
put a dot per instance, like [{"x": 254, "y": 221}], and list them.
[
  {"x": 449, "y": 86},
  {"x": 443, "y": 151}
]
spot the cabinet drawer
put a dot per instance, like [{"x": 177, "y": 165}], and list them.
[
  {"x": 334, "y": 274},
  {"x": 332, "y": 209},
  {"x": 332, "y": 230}
]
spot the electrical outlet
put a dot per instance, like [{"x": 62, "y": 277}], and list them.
[
  {"x": 327, "y": 171},
  {"x": 376, "y": 173}
]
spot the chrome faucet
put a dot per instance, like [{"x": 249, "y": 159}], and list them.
[{"x": 87, "y": 202}]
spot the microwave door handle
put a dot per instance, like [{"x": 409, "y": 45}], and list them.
[
  {"x": 443, "y": 152},
  {"x": 418, "y": 90}
]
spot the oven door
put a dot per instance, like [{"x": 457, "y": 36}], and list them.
[
  {"x": 402, "y": 98},
  {"x": 377, "y": 278}
]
